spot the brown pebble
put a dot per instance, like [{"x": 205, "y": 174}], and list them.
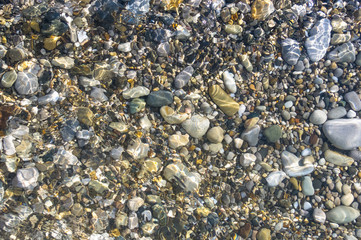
[
  {"x": 313, "y": 139},
  {"x": 245, "y": 230}
]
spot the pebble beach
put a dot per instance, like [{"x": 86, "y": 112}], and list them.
[{"x": 180, "y": 119}]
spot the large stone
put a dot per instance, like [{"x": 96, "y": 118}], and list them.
[
  {"x": 293, "y": 166},
  {"x": 318, "y": 117},
  {"x": 343, "y": 53},
  {"x": 159, "y": 98},
  {"x": 343, "y": 133},
  {"x": 183, "y": 77},
  {"x": 16, "y": 55},
  {"x": 261, "y": 9},
  {"x": 196, "y": 126},
  {"x": 338, "y": 158},
  {"x": 264, "y": 234},
  {"x": 353, "y": 99},
  {"x": 290, "y": 51},
  {"x": 63, "y": 62},
  {"x": 319, "y": 40},
  {"x": 171, "y": 117},
  {"x": 275, "y": 178},
  {"x": 215, "y": 134},
  {"x": 136, "y": 92},
  {"x": 319, "y": 215},
  {"x": 223, "y": 100},
  {"x": 26, "y": 83},
  {"x": 342, "y": 214},
  {"x": 273, "y": 133},
  {"x": 251, "y": 135},
  {"x": 26, "y": 178}
]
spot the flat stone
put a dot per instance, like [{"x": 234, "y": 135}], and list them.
[
  {"x": 8, "y": 79},
  {"x": 319, "y": 40},
  {"x": 85, "y": 115},
  {"x": 26, "y": 83},
  {"x": 290, "y": 51},
  {"x": 138, "y": 149},
  {"x": 343, "y": 133},
  {"x": 319, "y": 215},
  {"x": 163, "y": 49},
  {"x": 63, "y": 62},
  {"x": 337, "y": 112},
  {"x": 261, "y": 9},
  {"x": 160, "y": 98},
  {"x": 196, "y": 126},
  {"x": 275, "y": 178},
  {"x": 338, "y": 38},
  {"x": 293, "y": 167},
  {"x": 354, "y": 100},
  {"x": 343, "y": 53},
  {"x": 125, "y": 47},
  {"x": 183, "y": 77},
  {"x": 223, "y": 100},
  {"x": 273, "y": 133},
  {"x": 318, "y": 117},
  {"x": 215, "y": 134},
  {"x": 26, "y": 178},
  {"x": 229, "y": 82},
  {"x": 136, "y": 92},
  {"x": 233, "y": 29},
  {"x": 135, "y": 203},
  {"x": 307, "y": 186},
  {"x": 171, "y": 117},
  {"x": 251, "y": 135},
  {"x": 178, "y": 140},
  {"x": 338, "y": 158},
  {"x": 342, "y": 214}
]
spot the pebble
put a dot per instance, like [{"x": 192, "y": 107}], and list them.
[
  {"x": 215, "y": 134},
  {"x": 343, "y": 53},
  {"x": 196, "y": 126},
  {"x": 358, "y": 59},
  {"x": 319, "y": 40},
  {"x": 275, "y": 178},
  {"x": 264, "y": 234},
  {"x": 233, "y": 29},
  {"x": 307, "y": 187},
  {"x": 138, "y": 149},
  {"x": 178, "y": 140},
  {"x": 338, "y": 158},
  {"x": 135, "y": 203},
  {"x": 8, "y": 79},
  {"x": 159, "y": 98},
  {"x": 136, "y": 105},
  {"x": 318, "y": 117},
  {"x": 336, "y": 113},
  {"x": 347, "y": 199},
  {"x": 293, "y": 167},
  {"x": 229, "y": 82},
  {"x": 136, "y": 92},
  {"x": 342, "y": 214},
  {"x": 338, "y": 38},
  {"x": 344, "y": 134},
  {"x": 261, "y": 9},
  {"x": 63, "y": 62},
  {"x": 125, "y": 47},
  {"x": 85, "y": 116},
  {"x": 8, "y": 145},
  {"x": 273, "y": 133},
  {"x": 338, "y": 25},
  {"x": 319, "y": 215},
  {"x": 26, "y": 178},
  {"x": 171, "y": 117},
  {"x": 353, "y": 99},
  {"x": 16, "y": 55},
  {"x": 52, "y": 97},
  {"x": 251, "y": 135},
  {"x": 351, "y": 114},
  {"x": 247, "y": 159},
  {"x": 133, "y": 221},
  {"x": 26, "y": 83},
  {"x": 176, "y": 171},
  {"x": 290, "y": 51},
  {"x": 183, "y": 77},
  {"x": 223, "y": 100}
]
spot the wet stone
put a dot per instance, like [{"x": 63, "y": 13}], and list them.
[
  {"x": 319, "y": 215},
  {"x": 229, "y": 82},
  {"x": 223, "y": 100},
  {"x": 52, "y": 97},
  {"x": 159, "y": 98},
  {"x": 55, "y": 27},
  {"x": 138, "y": 7},
  {"x": 251, "y": 135},
  {"x": 338, "y": 158},
  {"x": 183, "y": 77},
  {"x": 233, "y": 29},
  {"x": 16, "y": 55},
  {"x": 178, "y": 140},
  {"x": 136, "y": 105},
  {"x": 343, "y": 53},
  {"x": 163, "y": 49},
  {"x": 135, "y": 203},
  {"x": 273, "y": 133},
  {"x": 290, "y": 51},
  {"x": 337, "y": 112},
  {"x": 307, "y": 187},
  {"x": 26, "y": 178},
  {"x": 318, "y": 117},
  {"x": 338, "y": 38},
  {"x": 8, "y": 145},
  {"x": 319, "y": 40},
  {"x": 171, "y": 117},
  {"x": 215, "y": 135},
  {"x": 343, "y": 133},
  {"x": 85, "y": 116},
  {"x": 264, "y": 234},
  {"x": 342, "y": 214},
  {"x": 178, "y": 173},
  {"x": 136, "y": 92},
  {"x": 261, "y": 9},
  {"x": 293, "y": 167},
  {"x": 8, "y": 79},
  {"x": 196, "y": 126},
  {"x": 63, "y": 62},
  {"x": 26, "y": 83},
  {"x": 98, "y": 94},
  {"x": 138, "y": 150},
  {"x": 275, "y": 178},
  {"x": 353, "y": 99}
]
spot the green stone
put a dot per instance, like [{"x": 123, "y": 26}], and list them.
[
  {"x": 8, "y": 79},
  {"x": 160, "y": 213},
  {"x": 85, "y": 116},
  {"x": 223, "y": 100},
  {"x": 97, "y": 186},
  {"x": 273, "y": 133},
  {"x": 136, "y": 105}
]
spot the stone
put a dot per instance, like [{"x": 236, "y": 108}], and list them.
[
  {"x": 215, "y": 134},
  {"x": 160, "y": 213},
  {"x": 338, "y": 38},
  {"x": 347, "y": 199},
  {"x": 250, "y": 135},
  {"x": 77, "y": 210},
  {"x": 273, "y": 133},
  {"x": 163, "y": 49},
  {"x": 119, "y": 126},
  {"x": 245, "y": 230},
  {"x": 8, "y": 145},
  {"x": 319, "y": 215},
  {"x": 152, "y": 165},
  {"x": 319, "y": 40},
  {"x": 358, "y": 59},
  {"x": 233, "y": 29},
  {"x": 247, "y": 159},
  {"x": 133, "y": 221},
  {"x": 138, "y": 149},
  {"x": 3, "y": 51},
  {"x": 97, "y": 186},
  {"x": 116, "y": 153},
  {"x": 344, "y": 134},
  {"x": 264, "y": 234},
  {"x": 214, "y": 148},
  {"x": 65, "y": 158},
  {"x": 159, "y": 98},
  {"x": 290, "y": 51},
  {"x": 354, "y": 100},
  {"x": 26, "y": 83},
  {"x": 342, "y": 214},
  {"x": 177, "y": 172},
  {"x": 136, "y": 105},
  {"x": 178, "y": 140},
  {"x": 63, "y": 62},
  {"x": 149, "y": 228},
  {"x": 229, "y": 82},
  {"x": 145, "y": 123},
  {"x": 16, "y": 55},
  {"x": 343, "y": 53},
  {"x": 223, "y": 100},
  {"x": 318, "y": 117},
  {"x": 52, "y": 97},
  {"x": 135, "y": 203},
  {"x": 183, "y": 77},
  {"x": 275, "y": 178},
  {"x": 125, "y": 47},
  {"x": 261, "y": 9},
  {"x": 98, "y": 94},
  {"x": 171, "y": 117},
  {"x": 246, "y": 62},
  {"x": 136, "y": 92},
  {"x": 26, "y": 178},
  {"x": 293, "y": 167},
  {"x": 196, "y": 126},
  {"x": 338, "y": 25},
  {"x": 138, "y": 7},
  {"x": 307, "y": 186},
  {"x": 85, "y": 115},
  {"x": 55, "y": 27},
  {"x": 8, "y": 79},
  {"x": 337, "y": 112},
  {"x": 338, "y": 158},
  {"x": 51, "y": 42}
]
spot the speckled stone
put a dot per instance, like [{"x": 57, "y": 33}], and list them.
[{"x": 26, "y": 83}]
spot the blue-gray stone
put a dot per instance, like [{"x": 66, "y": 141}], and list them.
[
  {"x": 138, "y": 7},
  {"x": 319, "y": 40},
  {"x": 353, "y": 99},
  {"x": 290, "y": 51},
  {"x": 337, "y": 112},
  {"x": 342, "y": 214},
  {"x": 159, "y": 98},
  {"x": 343, "y": 53},
  {"x": 307, "y": 187},
  {"x": 26, "y": 83},
  {"x": 183, "y": 77},
  {"x": 343, "y": 133}
]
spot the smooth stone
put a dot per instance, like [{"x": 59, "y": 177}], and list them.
[
  {"x": 343, "y": 53},
  {"x": 138, "y": 149},
  {"x": 251, "y": 135},
  {"x": 163, "y": 49},
  {"x": 85, "y": 115},
  {"x": 8, "y": 79},
  {"x": 98, "y": 94},
  {"x": 215, "y": 134},
  {"x": 319, "y": 215},
  {"x": 343, "y": 133},
  {"x": 342, "y": 214},
  {"x": 63, "y": 62},
  {"x": 286, "y": 115},
  {"x": 246, "y": 62},
  {"x": 159, "y": 98},
  {"x": 353, "y": 99},
  {"x": 215, "y": 147},
  {"x": 145, "y": 123},
  {"x": 223, "y": 100},
  {"x": 171, "y": 117},
  {"x": 358, "y": 59},
  {"x": 136, "y": 105},
  {"x": 65, "y": 158},
  {"x": 290, "y": 51},
  {"x": 233, "y": 29},
  {"x": 307, "y": 186},
  {"x": 338, "y": 158},
  {"x": 196, "y": 126},
  {"x": 261, "y": 9},
  {"x": 338, "y": 72},
  {"x": 52, "y": 97},
  {"x": 3, "y": 51},
  {"x": 347, "y": 199},
  {"x": 98, "y": 187},
  {"x": 136, "y": 92},
  {"x": 264, "y": 234},
  {"x": 319, "y": 40},
  {"x": 152, "y": 165},
  {"x": 116, "y": 153},
  {"x": 179, "y": 173},
  {"x": 133, "y": 221},
  {"x": 135, "y": 203},
  {"x": 178, "y": 140},
  {"x": 119, "y": 126},
  {"x": 318, "y": 117},
  {"x": 273, "y": 133},
  {"x": 183, "y": 77},
  {"x": 338, "y": 25},
  {"x": 351, "y": 114},
  {"x": 292, "y": 165},
  {"x": 247, "y": 159},
  {"x": 355, "y": 154},
  {"x": 16, "y": 55},
  {"x": 8, "y": 145},
  {"x": 338, "y": 38},
  {"x": 275, "y": 178},
  {"x": 229, "y": 82},
  {"x": 336, "y": 113},
  {"x": 26, "y": 178},
  {"x": 26, "y": 83},
  {"x": 125, "y": 47}
]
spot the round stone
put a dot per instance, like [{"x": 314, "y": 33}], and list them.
[
  {"x": 307, "y": 187},
  {"x": 215, "y": 134},
  {"x": 159, "y": 98},
  {"x": 264, "y": 234},
  {"x": 318, "y": 117},
  {"x": 8, "y": 79},
  {"x": 26, "y": 83},
  {"x": 273, "y": 133},
  {"x": 196, "y": 126},
  {"x": 342, "y": 214}
]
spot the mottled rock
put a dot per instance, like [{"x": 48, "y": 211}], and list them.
[
  {"x": 293, "y": 166},
  {"x": 338, "y": 38},
  {"x": 338, "y": 158},
  {"x": 196, "y": 126},
  {"x": 85, "y": 116},
  {"x": 179, "y": 173},
  {"x": 290, "y": 51},
  {"x": 135, "y": 203},
  {"x": 264, "y": 234},
  {"x": 229, "y": 82},
  {"x": 319, "y": 215},
  {"x": 136, "y": 92},
  {"x": 16, "y": 55},
  {"x": 159, "y": 98},
  {"x": 178, "y": 140},
  {"x": 343, "y": 53},
  {"x": 26, "y": 83},
  {"x": 343, "y": 133},
  {"x": 8, "y": 145},
  {"x": 342, "y": 214},
  {"x": 233, "y": 29},
  {"x": 52, "y": 97},
  {"x": 183, "y": 77},
  {"x": 26, "y": 178},
  {"x": 319, "y": 40},
  {"x": 171, "y": 117},
  {"x": 247, "y": 159},
  {"x": 8, "y": 79},
  {"x": 223, "y": 100},
  {"x": 63, "y": 62},
  {"x": 136, "y": 105},
  {"x": 138, "y": 149},
  {"x": 275, "y": 178}
]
